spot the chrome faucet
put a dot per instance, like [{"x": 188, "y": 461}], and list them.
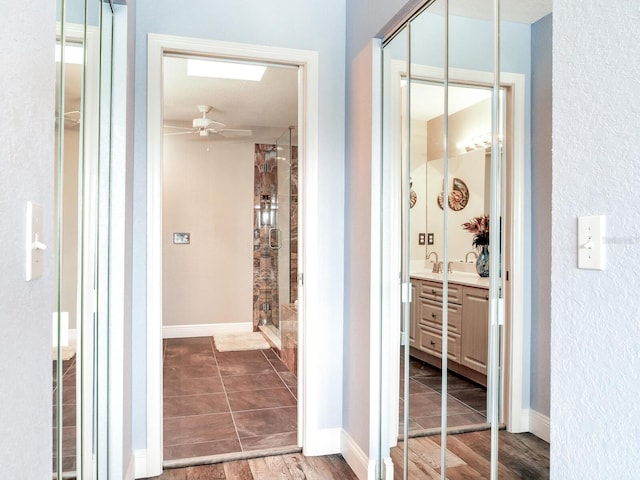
[
  {"x": 435, "y": 264},
  {"x": 466, "y": 257}
]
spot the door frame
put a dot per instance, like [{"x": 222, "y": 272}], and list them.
[
  {"x": 309, "y": 364},
  {"x": 516, "y": 414}
]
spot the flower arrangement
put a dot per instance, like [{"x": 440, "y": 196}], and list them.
[{"x": 479, "y": 226}]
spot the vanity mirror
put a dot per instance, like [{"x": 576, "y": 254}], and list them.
[{"x": 468, "y": 172}]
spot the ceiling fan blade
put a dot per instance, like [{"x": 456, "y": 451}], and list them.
[
  {"x": 179, "y": 128},
  {"x": 234, "y": 132},
  {"x": 180, "y": 133}
]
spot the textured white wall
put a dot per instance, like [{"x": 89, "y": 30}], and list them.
[
  {"x": 595, "y": 341},
  {"x": 27, "y": 85}
]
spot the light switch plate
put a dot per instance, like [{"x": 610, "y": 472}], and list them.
[
  {"x": 591, "y": 251},
  {"x": 34, "y": 246}
]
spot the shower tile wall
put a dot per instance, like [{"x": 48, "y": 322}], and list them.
[{"x": 265, "y": 259}]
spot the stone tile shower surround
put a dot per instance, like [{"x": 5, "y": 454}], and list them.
[{"x": 265, "y": 258}]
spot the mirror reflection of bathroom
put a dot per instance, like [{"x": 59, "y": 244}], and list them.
[
  {"x": 65, "y": 301},
  {"x": 468, "y": 176},
  {"x": 230, "y": 246},
  {"x": 467, "y": 202}
]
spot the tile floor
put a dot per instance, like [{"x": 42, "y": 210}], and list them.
[
  {"x": 466, "y": 404},
  {"x": 225, "y": 402}
]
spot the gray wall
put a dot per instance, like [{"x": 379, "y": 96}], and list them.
[
  {"x": 541, "y": 213},
  {"x": 595, "y": 341},
  {"x": 315, "y": 26},
  {"x": 27, "y": 85}
]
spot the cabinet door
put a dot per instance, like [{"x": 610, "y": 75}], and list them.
[
  {"x": 415, "y": 313},
  {"x": 475, "y": 328}
]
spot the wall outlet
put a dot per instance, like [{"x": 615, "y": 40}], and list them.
[
  {"x": 421, "y": 238},
  {"x": 430, "y": 239}
]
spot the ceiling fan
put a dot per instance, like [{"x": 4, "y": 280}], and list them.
[{"x": 204, "y": 126}]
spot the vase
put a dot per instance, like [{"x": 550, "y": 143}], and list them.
[{"x": 482, "y": 263}]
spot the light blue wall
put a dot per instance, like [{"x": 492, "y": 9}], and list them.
[
  {"x": 541, "y": 214},
  {"x": 318, "y": 26}
]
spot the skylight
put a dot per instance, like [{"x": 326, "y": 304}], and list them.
[{"x": 215, "y": 69}]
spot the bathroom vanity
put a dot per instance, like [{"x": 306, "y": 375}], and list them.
[{"x": 467, "y": 333}]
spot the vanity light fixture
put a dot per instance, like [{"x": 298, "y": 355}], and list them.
[
  {"x": 230, "y": 70},
  {"x": 475, "y": 143}
]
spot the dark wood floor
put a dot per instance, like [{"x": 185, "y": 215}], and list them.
[{"x": 279, "y": 467}]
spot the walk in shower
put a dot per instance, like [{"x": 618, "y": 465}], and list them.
[{"x": 276, "y": 237}]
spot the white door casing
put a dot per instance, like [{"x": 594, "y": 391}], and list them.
[{"x": 149, "y": 462}]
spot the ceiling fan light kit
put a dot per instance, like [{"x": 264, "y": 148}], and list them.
[{"x": 203, "y": 126}]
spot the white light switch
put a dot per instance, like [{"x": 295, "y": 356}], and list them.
[
  {"x": 591, "y": 252},
  {"x": 34, "y": 245}
]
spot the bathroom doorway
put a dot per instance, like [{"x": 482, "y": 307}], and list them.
[{"x": 220, "y": 140}]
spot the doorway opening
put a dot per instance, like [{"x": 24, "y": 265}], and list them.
[
  {"x": 233, "y": 144},
  {"x": 229, "y": 256}
]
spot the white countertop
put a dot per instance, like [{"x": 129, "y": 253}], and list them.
[{"x": 461, "y": 278}]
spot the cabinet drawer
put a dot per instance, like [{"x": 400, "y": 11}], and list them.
[
  {"x": 431, "y": 315},
  {"x": 431, "y": 342},
  {"x": 433, "y": 291}
]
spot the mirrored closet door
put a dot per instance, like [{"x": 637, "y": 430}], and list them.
[
  {"x": 80, "y": 312},
  {"x": 445, "y": 148}
]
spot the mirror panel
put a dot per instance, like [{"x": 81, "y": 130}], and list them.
[
  {"x": 395, "y": 141},
  {"x": 78, "y": 95}
]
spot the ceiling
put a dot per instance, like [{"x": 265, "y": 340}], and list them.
[
  {"x": 520, "y": 11},
  {"x": 267, "y": 107}
]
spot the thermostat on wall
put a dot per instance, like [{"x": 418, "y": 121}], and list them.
[{"x": 181, "y": 238}]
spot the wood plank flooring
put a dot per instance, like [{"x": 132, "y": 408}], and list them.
[
  {"x": 294, "y": 466},
  {"x": 521, "y": 456}
]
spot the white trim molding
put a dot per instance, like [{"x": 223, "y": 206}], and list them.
[
  {"x": 309, "y": 302},
  {"x": 204, "y": 330},
  {"x": 140, "y": 463},
  {"x": 363, "y": 466},
  {"x": 540, "y": 425}
]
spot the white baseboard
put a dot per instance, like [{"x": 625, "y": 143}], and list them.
[
  {"x": 204, "y": 330},
  {"x": 540, "y": 425},
  {"x": 360, "y": 463},
  {"x": 140, "y": 463},
  {"x": 323, "y": 442}
]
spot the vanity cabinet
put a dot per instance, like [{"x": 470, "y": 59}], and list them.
[
  {"x": 475, "y": 328},
  {"x": 413, "y": 324},
  {"x": 467, "y": 327}
]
